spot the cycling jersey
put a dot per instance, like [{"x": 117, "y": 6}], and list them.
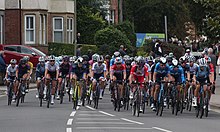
[
  {"x": 30, "y": 64},
  {"x": 202, "y": 75},
  {"x": 211, "y": 68},
  {"x": 79, "y": 71},
  {"x": 139, "y": 74},
  {"x": 11, "y": 71},
  {"x": 40, "y": 70},
  {"x": 148, "y": 67},
  {"x": 23, "y": 70},
  {"x": 87, "y": 65},
  {"x": 118, "y": 71},
  {"x": 64, "y": 69},
  {"x": 161, "y": 72},
  {"x": 185, "y": 69},
  {"x": 178, "y": 74},
  {"x": 193, "y": 69},
  {"x": 51, "y": 68},
  {"x": 128, "y": 71},
  {"x": 98, "y": 70}
]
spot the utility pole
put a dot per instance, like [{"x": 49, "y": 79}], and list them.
[
  {"x": 20, "y": 25},
  {"x": 120, "y": 10},
  {"x": 75, "y": 28},
  {"x": 166, "y": 34}
]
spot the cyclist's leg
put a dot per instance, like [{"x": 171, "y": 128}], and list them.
[{"x": 196, "y": 92}]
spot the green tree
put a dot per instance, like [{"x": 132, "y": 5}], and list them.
[
  {"x": 109, "y": 40},
  {"x": 88, "y": 23}
]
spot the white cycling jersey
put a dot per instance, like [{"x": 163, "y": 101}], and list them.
[
  {"x": 51, "y": 68},
  {"x": 98, "y": 69},
  {"x": 11, "y": 71}
]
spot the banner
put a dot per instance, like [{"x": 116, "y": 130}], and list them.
[{"x": 143, "y": 37}]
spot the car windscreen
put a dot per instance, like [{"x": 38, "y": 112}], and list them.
[{"x": 38, "y": 52}]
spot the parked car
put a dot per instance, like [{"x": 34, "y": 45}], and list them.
[{"x": 19, "y": 51}]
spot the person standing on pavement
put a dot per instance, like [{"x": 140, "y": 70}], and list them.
[
  {"x": 78, "y": 51},
  {"x": 157, "y": 49},
  {"x": 122, "y": 51},
  {"x": 213, "y": 61},
  {"x": 2, "y": 66}
]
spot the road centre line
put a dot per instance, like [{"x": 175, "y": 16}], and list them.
[
  {"x": 90, "y": 107},
  {"x": 68, "y": 129},
  {"x": 106, "y": 113},
  {"x": 113, "y": 128},
  {"x": 132, "y": 121},
  {"x": 70, "y": 121},
  {"x": 161, "y": 129},
  {"x": 73, "y": 114}
]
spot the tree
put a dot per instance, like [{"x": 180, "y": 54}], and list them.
[
  {"x": 88, "y": 23},
  {"x": 109, "y": 40}
]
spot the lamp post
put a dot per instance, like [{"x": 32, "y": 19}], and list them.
[
  {"x": 75, "y": 28},
  {"x": 20, "y": 17}
]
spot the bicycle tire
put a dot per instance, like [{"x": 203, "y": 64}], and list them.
[
  {"x": 207, "y": 104},
  {"x": 201, "y": 105},
  {"x": 134, "y": 108},
  {"x": 18, "y": 97},
  {"x": 162, "y": 105},
  {"x": 49, "y": 96},
  {"x": 10, "y": 93},
  {"x": 97, "y": 96},
  {"x": 41, "y": 93},
  {"x": 177, "y": 108},
  {"x": 75, "y": 99},
  {"x": 197, "y": 108},
  {"x": 62, "y": 92},
  {"x": 118, "y": 100}
]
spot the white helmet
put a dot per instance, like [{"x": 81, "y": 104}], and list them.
[
  {"x": 80, "y": 60},
  {"x": 202, "y": 62},
  {"x": 41, "y": 59},
  {"x": 71, "y": 59},
  {"x": 118, "y": 60},
  {"x": 175, "y": 62},
  {"x": 163, "y": 60},
  {"x": 13, "y": 61},
  {"x": 60, "y": 58},
  {"x": 100, "y": 58},
  {"x": 52, "y": 57}
]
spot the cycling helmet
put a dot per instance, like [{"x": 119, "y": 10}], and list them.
[
  {"x": 169, "y": 59},
  {"x": 182, "y": 59},
  {"x": 27, "y": 58},
  {"x": 13, "y": 61},
  {"x": 71, "y": 59},
  {"x": 132, "y": 58},
  {"x": 175, "y": 62},
  {"x": 117, "y": 54},
  {"x": 140, "y": 61},
  {"x": 95, "y": 57},
  {"x": 187, "y": 50},
  {"x": 52, "y": 58},
  {"x": 41, "y": 59},
  {"x": 150, "y": 58},
  {"x": 163, "y": 60},
  {"x": 85, "y": 57},
  {"x": 202, "y": 62},
  {"x": 128, "y": 61},
  {"x": 22, "y": 61},
  {"x": 118, "y": 60},
  {"x": 108, "y": 57},
  {"x": 100, "y": 59},
  {"x": 126, "y": 57},
  {"x": 66, "y": 58},
  {"x": 191, "y": 59},
  {"x": 156, "y": 60},
  {"x": 171, "y": 54},
  {"x": 80, "y": 60}
]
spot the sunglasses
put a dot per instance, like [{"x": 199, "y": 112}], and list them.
[{"x": 52, "y": 60}]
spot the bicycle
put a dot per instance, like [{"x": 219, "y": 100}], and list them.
[
  {"x": 189, "y": 97},
  {"x": 126, "y": 98},
  {"x": 63, "y": 84},
  {"x": 76, "y": 92},
  {"x": 41, "y": 92},
  {"x": 160, "y": 99},
  {"x": 96, "y": 95},
  {"x": 21, "y": 91},
  {"x": 116, "y": 95},
  {"x": 10, "y": 90},
  {"x": 200, "y": 103},
  {"x": 177, "y": 99},
  {"x": 48, "y": 95}
]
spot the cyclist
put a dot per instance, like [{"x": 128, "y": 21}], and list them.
[
  {"x": 139, "y": 73},
  {"x": 161, "y": 72},
  {"x": 22, "y": 72},
  {"x": 64, "y": 71},
  {"x": 107, "y": 62},
  {"x": 94, "y": 59},
  {"x": 98, "y": 74},
  {"x": 27, "y": 58},
  {"x": 40, "y": 71},
  {"x": 211, "y": 77},
  {"x": 10, "y": 75},
  {"x": 51, "y": 72},
  {"x": 116, "y": 54},
  {"x": 78, "y": 72},
  {"x": 118, "y": 73},
  {"x": 202, "y": 75}
]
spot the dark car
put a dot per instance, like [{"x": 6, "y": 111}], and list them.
[{"x": 19, "y": 51}]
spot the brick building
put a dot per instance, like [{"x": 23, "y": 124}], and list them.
[
  {"x": 114, "y": 11},
  {"x": 37, "y": 22}
]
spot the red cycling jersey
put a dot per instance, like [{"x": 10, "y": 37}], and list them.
[
  {"x": 211, "y": 68},
  {"x": 115, "y": 68},
  {"x": 139, "y": 74}
]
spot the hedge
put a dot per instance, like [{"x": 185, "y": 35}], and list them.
[{"x": 68, "y": 49}]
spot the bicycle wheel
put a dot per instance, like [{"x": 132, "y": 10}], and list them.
[
  {"x": 97, "y": 97},
  {"x": 62, "y": 92},
  {"x": 18, "y": 97},
  {"x": 207, "y": 104},
  {"x": 197, "y": 108},
  {"x": 49, "y": 96},
  {"x": 41, "y": 93},
  {"x": 75, "y": 98},
  {"x": 162, "y": 105},
  {"x": 201, "y": 106},
  {"x": 83, "y": 95},
  {"x": 134, "y": 108},
  {"x": 118, "y": 100},
  {"x": 10, "y": 93}
]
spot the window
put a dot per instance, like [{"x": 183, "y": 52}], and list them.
[
  {"x": 11, "y": 48},
  {"x": 26, "y": 51},
  {"x": 29, "y": 29},
  {"x": 1, "y": 29},
  {"x": 57, "y": 29},
  {"x": 70, "y": 30},
  {"x": 42, "y": 30}
]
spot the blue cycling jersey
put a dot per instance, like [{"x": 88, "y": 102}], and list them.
[
  {"x": 178, "y": 74},
  {"x": 162, "y": 71},
  {"x": 40, "y": 70},
  {"x": 202, "y": 74}
]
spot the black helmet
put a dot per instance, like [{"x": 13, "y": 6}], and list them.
[
  {"x": 22, "y": 61},
  {"x": 128, "y": 61},
  {"x": 85, "y": 57},
  {"x": 108, "y": 57}
]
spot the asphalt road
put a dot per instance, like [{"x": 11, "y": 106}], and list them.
[{"x": 29, "y": 117}]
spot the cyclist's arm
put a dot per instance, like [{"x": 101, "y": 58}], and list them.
[
  {"x": 182, "y": 76},
  {"x": 17, "y": 73},
  {"x": 6, "y": 74}
]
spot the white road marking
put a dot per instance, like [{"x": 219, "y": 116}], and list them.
[
  {"x": 90, "y": 107},
  {"x": 68, "y": 129},
  {"x": 97, "y": 119},
  {"x": 112, "y": 123},
  {"x": 161, "y": 129},
  {"x": 113, "y": 128},
  {"x": 106, "y": 113},
  {"x": 132, "y": 121},
  {"x": 69, "y": 122},
  {"x": 77, "y": 107},
  {"x": 91, "y": 115},
  {"x": 73, "y": 114}
]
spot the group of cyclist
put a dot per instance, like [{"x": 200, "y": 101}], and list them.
[{"x": 103, "y": 70}]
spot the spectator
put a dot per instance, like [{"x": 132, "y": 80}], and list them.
[
  {"x": 122, "y": 50},
  {"x": 78, "y": 51},
  {"x": 2, "y": 67},
  {"x": 213, "y": 61},
  {"x": 157, "y": 49}
]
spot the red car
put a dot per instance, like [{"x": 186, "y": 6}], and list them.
[{"x": 19, "y": 51}]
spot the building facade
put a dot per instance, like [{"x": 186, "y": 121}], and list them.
[
  {"x": 38, "y": 22},
  {"x": 2, "y": 14},
  {"x": 114, "y": 11}
]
